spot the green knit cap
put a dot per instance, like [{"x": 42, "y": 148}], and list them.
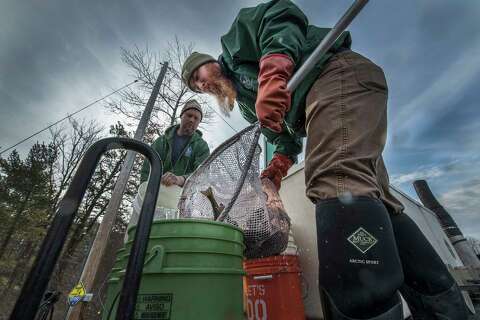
[
  {"x": 192, "y": 63},
  {"x": 192, "y": 104}
]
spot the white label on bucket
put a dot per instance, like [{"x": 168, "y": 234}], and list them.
[
  {"x": 255, "y": 290},
  {"x": 256, "y": 309},
  {"x": 153, "y": 306}
]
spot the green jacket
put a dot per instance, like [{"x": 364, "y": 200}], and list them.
[
  {"x": 277, "y": 26},
  {"x": 191, "y": 157}
]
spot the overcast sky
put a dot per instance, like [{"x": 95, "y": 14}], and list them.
[{"x": 57, "y": 56}]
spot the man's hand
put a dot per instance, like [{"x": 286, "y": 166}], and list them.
[
  {"x": 273, "y": 97},
  {"x": 277, "y": 169},
  {"x": 169, "y": 179}
]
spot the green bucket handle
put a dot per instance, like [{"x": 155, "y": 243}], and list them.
[{"x": 157, "y": 253}]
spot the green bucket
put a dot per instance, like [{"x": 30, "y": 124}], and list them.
[{"x": 192, "y": 270}]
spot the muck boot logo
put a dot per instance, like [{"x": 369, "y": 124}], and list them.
[{"x": 362, "y": 240}]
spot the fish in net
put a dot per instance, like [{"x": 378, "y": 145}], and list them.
[{"x": 227, "y": 187}]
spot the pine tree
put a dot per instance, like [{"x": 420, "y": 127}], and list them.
[{"x": 25, "y": 191}]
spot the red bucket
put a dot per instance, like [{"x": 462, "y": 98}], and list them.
[{"x": 273, "y": 289}]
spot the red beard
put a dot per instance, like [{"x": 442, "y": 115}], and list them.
[{"x": 223, "y": 90}]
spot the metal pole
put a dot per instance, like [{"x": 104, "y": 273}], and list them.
[
  {"x": 326, "y": 44},
  {"x": 101, "y": 239}
]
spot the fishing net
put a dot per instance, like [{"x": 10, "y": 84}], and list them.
[{"x": 227, "y": 187}]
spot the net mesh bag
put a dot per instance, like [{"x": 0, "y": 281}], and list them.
[{"x": 226, "y": 187}]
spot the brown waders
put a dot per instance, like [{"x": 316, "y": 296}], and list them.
[{"x": 368, "y": 252}]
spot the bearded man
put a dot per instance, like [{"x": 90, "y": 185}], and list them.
[
  {"x": 368, "y": 249},
  {"x": 182, "y": 148}
]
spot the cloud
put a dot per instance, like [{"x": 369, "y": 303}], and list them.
[
  {"x": 416, "y": 175},
  {"x": 58, "y": 56},
  {"x": 467, "y": 195},
  {"x": 442, "y": 94},
  {"x": 456, "y": 185},
  {"x": 463, "y": 203},
  {"x": 452, "y": 171}
]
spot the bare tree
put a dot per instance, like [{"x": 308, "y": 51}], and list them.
[
  {"x": 173, "y": 93},
  {"x": 71, "y": 145}
]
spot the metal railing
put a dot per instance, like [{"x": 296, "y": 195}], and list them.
[{"x": 34, "y": 287}]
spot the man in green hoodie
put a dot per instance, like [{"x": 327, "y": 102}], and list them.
[
  {"x": 181, "y": 148},
  {"x": 368, "y": 249}
]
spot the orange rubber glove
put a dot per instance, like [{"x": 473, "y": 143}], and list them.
[
  {"x": 277, "y": 169},
  {"x": 273, "y": 98}
]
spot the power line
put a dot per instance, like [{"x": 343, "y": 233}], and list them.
[
  {"x": 87, "y": 106},
  {"x": 68, "y": 116},
  {"x": 218, "y": 114},
  {"x": 91, "y": 104}
]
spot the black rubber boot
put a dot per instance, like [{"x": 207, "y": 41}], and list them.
[
  {"x": 360, "y": 270},
  {"x": 429, "y": 289},
  {"x": 393, "y": 313},
  {"x": 447, "y": 305}
]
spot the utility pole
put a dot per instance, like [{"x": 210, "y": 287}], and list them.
[{"x": 101, "y": 239}]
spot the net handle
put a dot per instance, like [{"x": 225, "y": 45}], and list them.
[
  {"x": 248, "y": 163},
  {"x": 326, "y": 43}
]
